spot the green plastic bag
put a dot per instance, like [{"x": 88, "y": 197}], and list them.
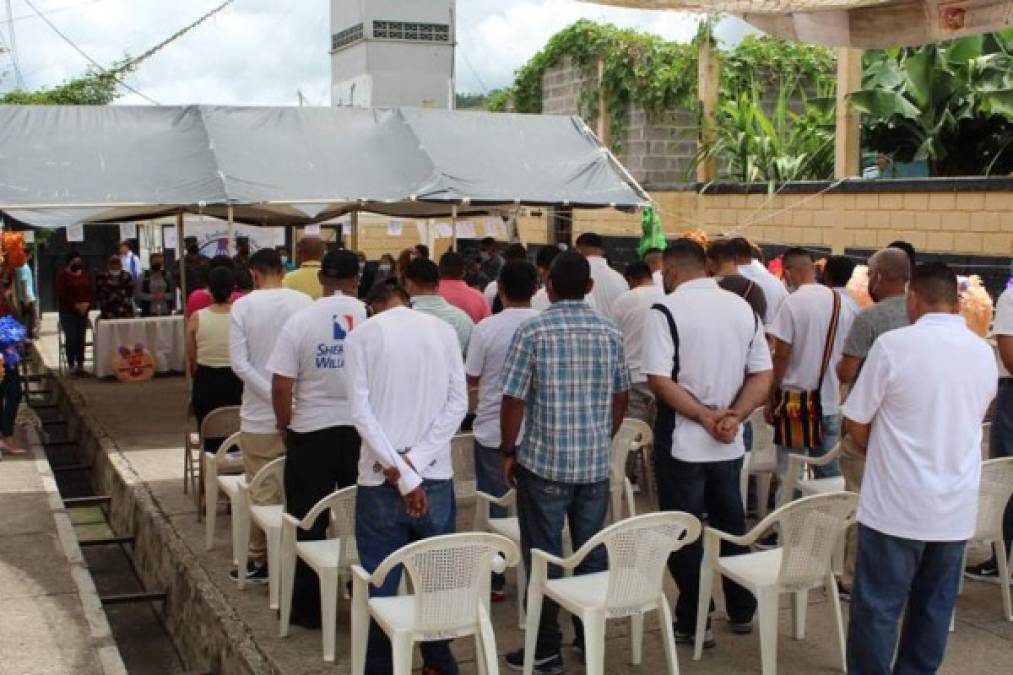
[{"x": 654, "y": 233}]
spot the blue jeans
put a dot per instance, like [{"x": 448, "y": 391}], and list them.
[
  {"x": 1001, "y": 444},
  {"x": 699, "y": 488},
  {"x": 831, "y": 437},
  {"x": 891, "y": 571},
  {"x": 542, "y": 507},
  {"x": 382, "y": 526},
  {"x": 489, "y": 479}
]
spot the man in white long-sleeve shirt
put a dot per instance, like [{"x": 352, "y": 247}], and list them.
[
  {"x": 608, "y": 284},
  {"x": 751, "y": 268},
  {"x": 408, "y": 397},
  {"x": 255, "y": 325}
]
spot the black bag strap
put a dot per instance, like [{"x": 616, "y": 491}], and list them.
[
  {"x": 675, "y": 338},
  {"x": 828, "y": 348}
]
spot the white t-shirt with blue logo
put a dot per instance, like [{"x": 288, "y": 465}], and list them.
[{"x": 311, "y": 350}]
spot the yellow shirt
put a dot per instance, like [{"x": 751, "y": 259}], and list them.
[{"x": 305, "y": 279}]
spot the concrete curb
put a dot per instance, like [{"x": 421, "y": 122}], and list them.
[{"x": 98, "y": 626}]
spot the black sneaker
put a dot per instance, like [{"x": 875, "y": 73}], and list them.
[
  {"x": 546, "y": 665},
  {"x": 256, "y": 573},
  {"x": 740, "y": 627},
  {"x": 689, "y": 638},
  {"x": 986, "y": 571}
]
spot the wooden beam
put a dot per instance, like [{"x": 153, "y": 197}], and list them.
[
  {"x": 848, "y": 134},
  {"x": 708, "y": 82}
]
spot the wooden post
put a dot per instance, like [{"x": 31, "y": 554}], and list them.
[
  {"x": 231, "y": 243},
  {"x": 453, "y": 227},
  {"x": 181, "y": 252},
  {"x": 353, "y": 236},
  {"x": 603, "y": 130},
  {"x": 848, "y": 134},
  {"x": 708, "y": 83}
]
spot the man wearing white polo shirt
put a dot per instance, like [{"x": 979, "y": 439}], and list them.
[
  {"x": 313, "y": 411},
  {"x": 408, "y": 397},
  {"x": 608, "y": 284},
  {"x": 917, "y": 408},
  {"x": 630, "y": 314},
  {"x": 751, "y": 268},
  {"x": 707, "y": 361},
  {"x": 253, "y": 331}
]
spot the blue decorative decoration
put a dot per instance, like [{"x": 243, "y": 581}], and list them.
[{"x": 12, "y": 334}]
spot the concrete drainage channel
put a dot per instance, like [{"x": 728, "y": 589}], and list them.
[{"x": 131, "y": 610}]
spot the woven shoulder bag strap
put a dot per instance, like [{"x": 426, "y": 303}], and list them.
[{"x": 828, "y": 348}]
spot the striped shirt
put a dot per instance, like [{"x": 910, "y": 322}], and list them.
[
  {"x": 436, "y": 306},
  {"x": 566, "y": 364}
]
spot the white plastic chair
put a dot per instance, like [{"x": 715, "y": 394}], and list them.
[
  {"x": 450, "y": 577},
  {"x": 219, "y": 423},
  {"x": 214, "y": 481},
  {"x": 268, "y": 517},
  {"x": 810, "y": 528},
  {"x": 993, "y": 496},
  {"x": 795, "y": 481},
  {"x": 329, "y": 558},
  {"x": 629, "y": 438},
  {"x": 760, "y": 462},
  {"x": 638, "y": 549},
  {"x": 508, "y": 527}
]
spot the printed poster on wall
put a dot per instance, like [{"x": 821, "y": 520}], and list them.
[
  {"x": 128, "y": 231},
  {"x": 212, "y": 238},
  {"x": 395, "y": 228},
  {"x": 75, "y": 232}
]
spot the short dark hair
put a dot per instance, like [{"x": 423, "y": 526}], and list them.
[
  {"x": 423, "y": 271},
  {"x": 687, "y": 254},
  {"x": 742, "y": 248},
  {"x": 451, "y": 266},
  {"x": 244, "y": 280},
  {"x": 570, "y": 274},
  {"x": 515, "y": 252},
  {"x": 382, "y": 291},
  {"x": 721, "y": 250},
  {"x": 222, "y": 261},
  {"x": 192, "y": 248},
  {"x": 936, "y": 283},
  {"x": 339, "y": 265},
  {"x": 591, "y": 240},
  {"x": 422, "y": 250},
  {"x": 518, "y": 280},
  {"x": 266, "y": 261},
  {"x": 838, "y": 270},
  {"x": 637, "y": 271},
  {"x": 546, "y": 255},
  {"x": 796, "y": 252},
  {"x": 221, "y": 284},
  {"x": 489, "y": 241},
  {"x": 912, "y": 255},
  {"x": 70, "y": 256}
]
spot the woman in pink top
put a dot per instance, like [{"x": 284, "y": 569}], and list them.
[{"x": 201, "y": 298}]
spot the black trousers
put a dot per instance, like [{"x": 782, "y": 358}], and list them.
[
  {"x": 699, "y": 488},
  {"x": 10, "y": 399},
  {"x": 316, "y": 464},
  {"x": 214, "y": 388}
]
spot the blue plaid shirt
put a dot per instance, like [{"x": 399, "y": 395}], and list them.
[{"x": 566, "y": 364}]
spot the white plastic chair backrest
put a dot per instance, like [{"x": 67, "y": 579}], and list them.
[
  {"x": 763, "y": 455},
  {"x": 629, "y": 437},
  {"x": 638, "y": 549},
  {"x": 220, "y": 422},
  {"x": 228, "y": 445},
  {"x": 340, "y": 506},
  {"x": 810, "y": 528},
  {"x": 994, "y": 494},
  {"x": 272, "y": 471},
  {"x": 462, "y": 454},
  {"x": 450, "y": 577}
]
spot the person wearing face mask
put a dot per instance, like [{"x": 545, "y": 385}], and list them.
[
  {"x": 385, "y": 268},
  {"x": 285, "y": 261},
  {"x": 74, "y": 297},
  {"x": 114, "y": 289},
  {"x": 155, "y": 293},
  {"x": 367, "y": 275},
  {"x": 808, "y": 333}
]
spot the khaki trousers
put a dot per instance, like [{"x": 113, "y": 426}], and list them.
[
  {"x": 258, "y": 450},
  {"x": 852, "y": 468}
]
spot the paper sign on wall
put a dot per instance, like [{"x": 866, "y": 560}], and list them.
[
  {"x": 444, "y": 230},
  {"x": 395, "y": 228},
  {"x": 312, "y": 230},
  {"x": 128, "y": 231},
  {"x": 75, "y": 232},
  {"x": 490, "y": 227},
  {"x": 466, "y": 230},
  {"x": 29, "y": 236},
  {"x": 169, "y": 237}
]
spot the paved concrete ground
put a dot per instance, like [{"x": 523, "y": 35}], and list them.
[
  {"x": 50, "y": 618},
  {"x": 147, "y": 423}
]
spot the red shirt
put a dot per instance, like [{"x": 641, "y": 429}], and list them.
[
  {"x": 465, "y": 298},
  {"x": 201, "y": 298},
  {"x": 72, "y": 289}
]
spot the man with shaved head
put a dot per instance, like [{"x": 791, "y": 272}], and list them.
[{"x": 306, "y": 279}]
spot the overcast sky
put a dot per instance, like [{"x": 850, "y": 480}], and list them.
[{"x": 261, "y": 52}]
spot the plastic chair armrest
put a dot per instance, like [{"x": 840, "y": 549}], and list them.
[{"x": 507, "y": 500}]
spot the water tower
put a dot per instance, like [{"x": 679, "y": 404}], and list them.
[{"x": 392, "y": 53}]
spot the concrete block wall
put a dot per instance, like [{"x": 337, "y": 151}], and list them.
[{"x": 956, "y": 222}]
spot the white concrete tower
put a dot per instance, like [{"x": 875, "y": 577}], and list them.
[{"x": 392, "y": 53}]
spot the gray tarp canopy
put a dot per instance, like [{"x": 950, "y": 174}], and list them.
[{"x": 62, "y": 165}]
